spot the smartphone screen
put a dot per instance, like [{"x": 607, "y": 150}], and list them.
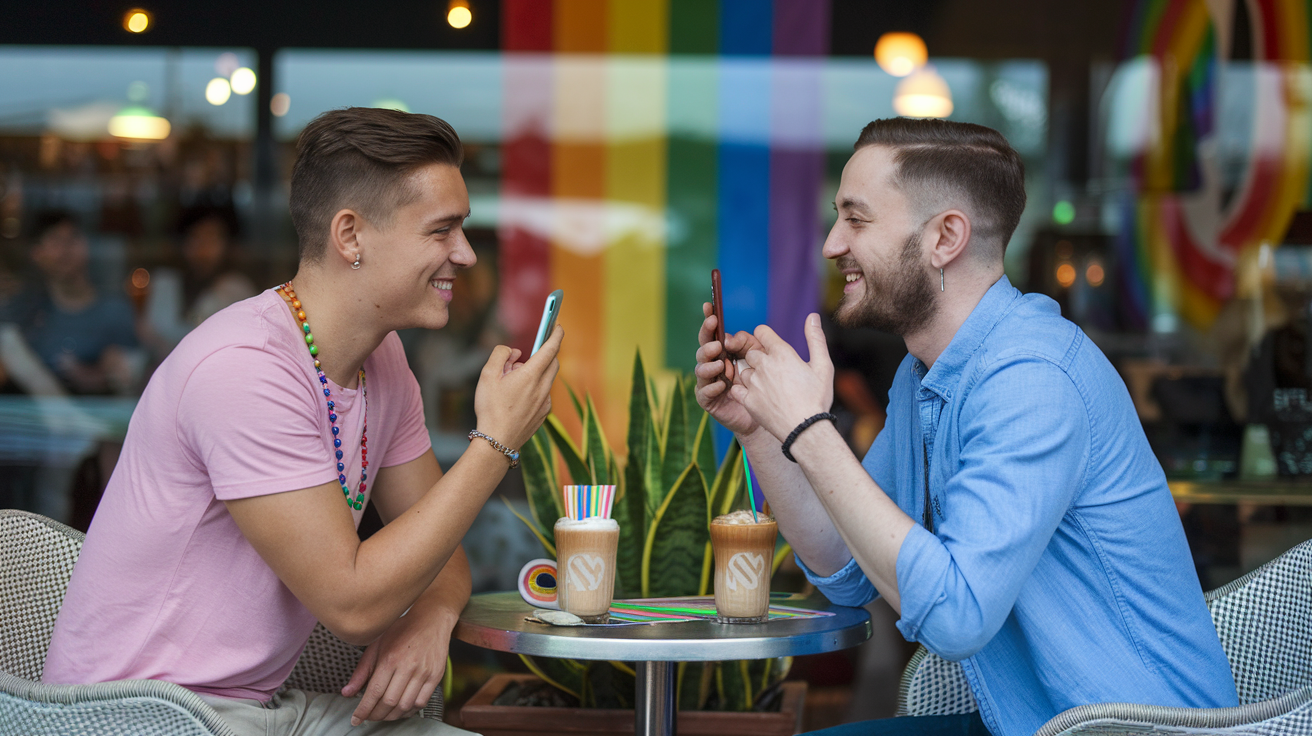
[{"x": 550, "y": 311}]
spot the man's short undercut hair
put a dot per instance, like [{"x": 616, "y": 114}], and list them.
[
  {"x": 361, "y": 158},
  {"x": 943, "y": 164}
]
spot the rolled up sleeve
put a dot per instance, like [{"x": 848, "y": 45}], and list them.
[
  {"x": 847, "y": 587},
  {"x": 1025, "y": 439}
]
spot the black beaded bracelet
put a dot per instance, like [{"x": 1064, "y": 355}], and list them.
[{"x": 792, "y": 436}]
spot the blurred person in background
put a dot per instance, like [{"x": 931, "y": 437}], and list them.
[
  {"x": 209, "y": 280},
  {"x": 66, "y": 337}
]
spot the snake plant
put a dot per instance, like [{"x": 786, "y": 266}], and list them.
[{"x": 669, "y": 488}]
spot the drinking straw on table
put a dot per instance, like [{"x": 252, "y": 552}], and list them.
[{"x": 751, "y": 495}]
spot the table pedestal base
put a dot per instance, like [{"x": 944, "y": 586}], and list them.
[{"x": 653, "y": 704}]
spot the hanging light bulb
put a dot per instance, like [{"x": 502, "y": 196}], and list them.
[
  {"x": 923, "y": 95},
  {"x": 458, "y": 14},
  {"x": 136, "y": 20},
  {"x": 900, "y": 54}
]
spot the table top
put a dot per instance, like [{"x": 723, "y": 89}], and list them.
[{"x": 496, "y": 621}]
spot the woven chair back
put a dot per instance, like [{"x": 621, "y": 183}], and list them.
[
  {"x": 326, "y": 664},
  {"x": 36, "y": 561},
  {"x": 1264, "y": 620}
]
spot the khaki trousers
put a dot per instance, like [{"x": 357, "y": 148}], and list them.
[{"x": 298, "y": 713}]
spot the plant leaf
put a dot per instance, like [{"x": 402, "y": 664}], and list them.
[
  {"x": 708, "y": 560},
  {"x": 779, "y": 670},
  {"x": 694, "y": 413},
  {"x": 651, "y": 474},
  {"x": 574, "y": 399},
  {"x": 565, "y": 674},
  {"x": 546, "y": 545},
  {"x": 609, "y": 686},
  {"x": 677, "y": 539},
  {"x": 735, "y": 684},
  {"x": 594, "y": 444},
  {"x": 728, "y": 480},
  {"x": 544, "y": 502},
  {"x": 656, "y": 420},
  {"x": 675, "y": 456},
  {"x": 703, "y": 447},
  {"x": 574, "y": 463},
  {"x": 630, "y": 513},
  {"x": 694, "y": 684},
  {"x": 640, "y": 414}
]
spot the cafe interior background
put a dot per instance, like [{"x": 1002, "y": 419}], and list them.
[{"x": 619, "y": 150}]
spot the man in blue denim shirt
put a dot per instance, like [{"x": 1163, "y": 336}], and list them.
[{"x": 1011, "y": 511}]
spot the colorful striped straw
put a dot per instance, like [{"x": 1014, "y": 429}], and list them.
[
  {"x": 583, "y": 502},
  {"x": 751, "y": 495}
]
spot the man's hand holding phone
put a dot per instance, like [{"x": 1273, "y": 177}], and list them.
[{"x": 716, "y": 370}]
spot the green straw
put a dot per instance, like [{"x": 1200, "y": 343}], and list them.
[{"x": 751, "y": 495}]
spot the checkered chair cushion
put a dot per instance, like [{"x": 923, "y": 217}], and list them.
[
  {"x": 1263, "y": 621},
  {"x": 36, "y": 562}
]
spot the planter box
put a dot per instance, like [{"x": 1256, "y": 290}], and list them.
[{"x": 509, "y": 720}]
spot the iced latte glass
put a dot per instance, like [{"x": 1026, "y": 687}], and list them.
[
  {"x": 744, "y": 551},
  {"x": 585, "y": 566}
]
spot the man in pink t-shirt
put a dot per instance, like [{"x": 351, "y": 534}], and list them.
[{"x": 229, "y": 526}]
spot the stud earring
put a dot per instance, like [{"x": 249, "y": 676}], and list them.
[
  {"x": 941, "y": 287},
  {"x": 356, "y": 266}
]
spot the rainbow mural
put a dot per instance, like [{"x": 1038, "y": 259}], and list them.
[
  {"x": 1177, "y": 257},
  {"x": 638, "y": 153}
]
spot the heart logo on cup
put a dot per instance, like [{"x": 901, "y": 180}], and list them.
[
  {"x": 585, "y": 572},
  {"x": 744, "y": 569}
]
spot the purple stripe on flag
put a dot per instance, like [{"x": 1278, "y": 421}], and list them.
[
  {"x": 801, "y": 29},
  {"x": 794, "y": 242}
]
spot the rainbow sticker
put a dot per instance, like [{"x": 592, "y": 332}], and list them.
[{"x": 537, "y": 584}]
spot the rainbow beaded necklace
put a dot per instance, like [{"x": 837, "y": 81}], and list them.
[{"x": 289, "y": 295}]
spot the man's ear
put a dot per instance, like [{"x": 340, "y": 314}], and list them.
[
  {"x": 343, "y": 235},
  {"x": 952, "y": 229}
]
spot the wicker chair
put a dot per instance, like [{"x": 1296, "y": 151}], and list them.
[
  {"x": 1263, "y": 620},
  {"x": 36, "y": 561}
]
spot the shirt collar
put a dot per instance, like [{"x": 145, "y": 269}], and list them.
[{"x": 946, "y": 371}]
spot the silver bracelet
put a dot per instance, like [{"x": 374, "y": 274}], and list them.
[{"x": 512, "y": 454}]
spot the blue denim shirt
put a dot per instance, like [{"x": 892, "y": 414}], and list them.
[{"x": 1057, "y": 571}]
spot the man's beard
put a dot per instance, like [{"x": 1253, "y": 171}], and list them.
[{"x": 901, "y": 302}]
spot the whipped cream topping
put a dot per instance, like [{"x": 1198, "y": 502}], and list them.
[
  {"x": 592, "y": 522},
  {"x": 742, "y": 516}
]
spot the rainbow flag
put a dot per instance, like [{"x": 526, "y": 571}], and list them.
[
  {"x": 1176, "y": 256},
  {"x": 639, "y": 152}
]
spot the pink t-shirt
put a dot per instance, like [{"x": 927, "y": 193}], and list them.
[{"x": 166, "y": 587}]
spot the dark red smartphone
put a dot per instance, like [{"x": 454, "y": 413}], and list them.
[{"x": 717, "y": 308}]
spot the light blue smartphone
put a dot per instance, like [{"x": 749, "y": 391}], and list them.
[{"x": 548, "y": 324}]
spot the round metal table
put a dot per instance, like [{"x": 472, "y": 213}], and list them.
[{"x": 496, "y": 621}]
